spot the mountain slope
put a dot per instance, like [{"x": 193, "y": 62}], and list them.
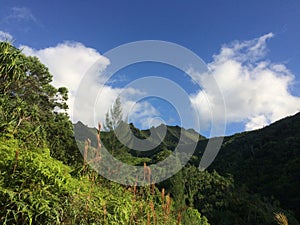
[{"x": 267, "y": 161}]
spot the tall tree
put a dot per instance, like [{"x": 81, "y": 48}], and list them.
[
  {"x": 31, "y": 109},
  {"x": 114, "y": 116},
  {"x": 113, "y": 119}
]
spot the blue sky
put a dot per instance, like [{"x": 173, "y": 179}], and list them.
[{"x": 251, "y": 47}]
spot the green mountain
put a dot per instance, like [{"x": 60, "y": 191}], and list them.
[
  {"x": 43, "y": 177},
  {"x": 170, "y": 139},
  {"x": 45, "y": 180},
  {"x": 267, "y": 161},
  {"x": 264, "y": 161}
]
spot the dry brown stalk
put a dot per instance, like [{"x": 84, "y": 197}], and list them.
[
  {"x": 168, "y": 203},
  {"x": 99, "y": 138},
  {"x": 149, "y": 174},
  {"x": 163, "y": 196},
  {"x": 104, "y": 213},
  {"x": 153, "y": 188},
  {"x": 179, "y": 218},
  {"x": 281, "y": 219},
  {"x": 133, "y": 202},
  {"x": 134, "y": 189},
  {"x": 148, "y": 219},
  {"x": 96, "y": 152},
  {"x": 145, "y": 170},
  {"x": 167, "y": 207},
  {"x": 153, "y": 211}
]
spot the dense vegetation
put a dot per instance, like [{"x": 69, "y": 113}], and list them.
[
  {"x": 267, "y": 161},
  {"x": 43, "y": 177},
  {"x": 246, "y": 189},
  {"x": 45, "y": 180}
]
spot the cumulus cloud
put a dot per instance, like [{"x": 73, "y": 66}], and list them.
[
  {"x": 143, "y": 113},
  {"x": 255, "y": 90},
  {"x": 5, "y": 36},
  {"x": 70, "y": 63}
]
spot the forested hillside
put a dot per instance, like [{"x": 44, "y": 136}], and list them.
[
  {"x": 254, "y": 175},
  {"x": 267, "y": 161},
  {"x": 44, "y": 178}
]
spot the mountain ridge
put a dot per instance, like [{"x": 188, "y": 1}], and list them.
[{"x": 266, "y": 160}]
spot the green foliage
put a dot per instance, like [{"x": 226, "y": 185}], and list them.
[
  {"x": 31, "y": 185},
  {"x": 37, "y": 189},
  {"x": 61, "y": 141},
  {"x": 113, "y": 119},
  {"x": 217, "y": 198},
  {"x": 43, "y": 179},
  {"x": 193, "y": 217},
  {"x": 31, "y": 109},
  {"x": 267, "y": 161},
  {"x": 114, "y": 116}
]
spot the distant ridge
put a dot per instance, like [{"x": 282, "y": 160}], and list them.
[{"x": 266, "y": 160}]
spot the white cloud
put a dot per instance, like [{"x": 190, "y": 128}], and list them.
[
  {"x": 257, "y": 122},
  {"x": 21, "y": 14},
  {"x": 143, "y": 113},
  {"x": 68, "y": 62},
  {"x": 249, "y": 51},
  {"x": 20, "y": 18},
  {"x": 255, "y": 90},
  {"x": 71, "y": 62},
  {"x": 4, "y": 36}
]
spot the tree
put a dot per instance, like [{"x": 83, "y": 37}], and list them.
[
  {"x": 113, "y": 119},
  {"x": 114, "y": 116},
  {"x": 31, "y": 109}
]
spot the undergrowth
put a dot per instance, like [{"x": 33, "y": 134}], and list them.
[{"x": 37, "y": 189}]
